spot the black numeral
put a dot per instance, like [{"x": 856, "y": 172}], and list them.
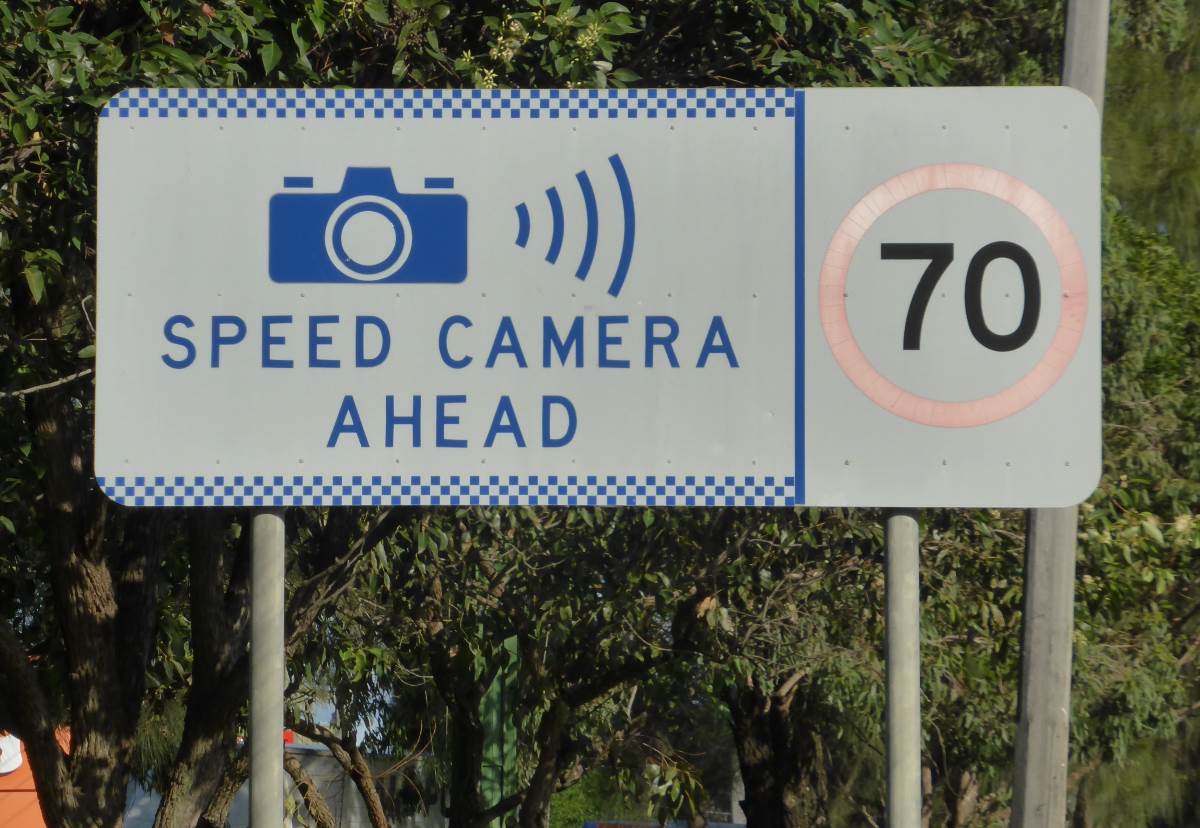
[
  {"x": 940, "y": 256},
  {"x": 974, "y": 296}
]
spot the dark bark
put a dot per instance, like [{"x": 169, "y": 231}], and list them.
[
  {"x": 926, "y": 796},
  {"x": 221, "y": 669},
  {"x": 216, "y": 814},
  {"x": 535, "y": 807},
  {"x": 781, "y": 765},
  {"x": 1082, "y": 818},
  {"x": 967, "y": 801},
  {"x": 197, "y": 772},
  {"x": 466, "y": 759},
  {"x": 318, "y": 809},
  {"x": 462, "y": 688},
  {"x": 349, "y": 755},
  {"x": 364, "y": 781},
  {"x": 219, "y": 613},
  {"x": 105, "y": 591}
]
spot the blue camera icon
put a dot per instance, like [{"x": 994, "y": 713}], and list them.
[{"x": 368, "y": 231}]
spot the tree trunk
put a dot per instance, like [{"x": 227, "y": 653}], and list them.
[
  {"x": 346, "y": 752},
  {"x": 216, "y": 814},
  {"x": 313, "y": 800},
  {"x": 364, "y": 780},
  {"x": 466, "y": 763},
  {"x": 1082, "y": 818},
  {"x": 535, "y": 807},
  {"x": 221, "y": 667},
  {"x": 105, "y": 580},
  {"x": 926, "y": 796},
  {"x": 196, "y": 775},
  {"x": 967, "y": 801},
  {"x": 778, "y": 764},
  {"x": 218, "y": 613}
]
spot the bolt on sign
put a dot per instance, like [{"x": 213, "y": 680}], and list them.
[{"x": 758, "y": 297}]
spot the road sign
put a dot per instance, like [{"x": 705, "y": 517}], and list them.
[{"x": 673, "y": 297}]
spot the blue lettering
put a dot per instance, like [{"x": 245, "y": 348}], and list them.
[
  {"x": 316, "y": 339},
  {"x": 189, "y": 350},
  {"x": 413, "y": 420},
  {"x": 444, "y": 419},
  {"x": 665, "y": 341},
  {"x": 269, "y": 340},
  {"x": 504, "y": 411},
  {"x": 348, "y": 422},
  {"x": 551, "y": 339},
  {"x": 569, "y": 433},
  {"x": 506, "y": 342},
  {"x": 444, "y": 334},
  {"x": 385, "y": 342},
  {"x": 607, "y": 340},
  {"x": 219, "y": 339},
  {"x": 716, "y": 331}
]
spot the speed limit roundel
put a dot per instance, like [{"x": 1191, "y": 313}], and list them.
[{"x": 1067, "y": 276}]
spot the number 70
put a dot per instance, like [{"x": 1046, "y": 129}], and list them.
[{"x": 940, "y": 255}]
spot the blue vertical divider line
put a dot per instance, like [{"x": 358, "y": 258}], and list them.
[{"x": 800, "y": 289}]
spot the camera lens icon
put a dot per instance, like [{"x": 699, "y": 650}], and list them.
[{"x": 368, "y": 238}]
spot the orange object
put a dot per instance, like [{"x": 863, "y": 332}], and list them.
[{"x": 19, "y": 806}]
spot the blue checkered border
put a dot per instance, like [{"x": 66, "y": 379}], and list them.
[
  {"x": 451, "y": 490},
  {"x": 408, "y": 104}
]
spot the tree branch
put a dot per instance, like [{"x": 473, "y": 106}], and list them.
[
  {"x": 46, "y": 386},
  {"x": 319, "y": 591},
  {"x": 313, "y": 800}
]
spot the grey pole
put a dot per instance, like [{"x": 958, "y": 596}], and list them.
[
  {"x": 1086, "y": 54},
  {"x": 903, "y": 670},
  {"x": 1043, "y": 719},
  {"x": 267, "y": 671}
]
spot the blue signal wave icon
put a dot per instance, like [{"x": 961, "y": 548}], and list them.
[{"x": 592, "y": 229}]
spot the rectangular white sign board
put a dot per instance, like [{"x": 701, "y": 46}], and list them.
[{"x": 769, "y": 297}]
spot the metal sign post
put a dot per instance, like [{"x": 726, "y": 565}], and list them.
[
  {"x": 268, "y": 670},
  {"x": 903, "y": 670},
  {"x": 1043, "y": 726}
]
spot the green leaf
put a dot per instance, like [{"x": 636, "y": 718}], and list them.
[
  {"x": 59, "y": 17},
  {"x": 271, "y": 55},
  {"x": 8, "y": 524},
  {"x": 298, "y": 38},
  {"x": 377, "y": 10},
  {"x": 87, "y": 352},
  {"x": 36, "y": 281},
  {"x": 1151, "y": 530}
]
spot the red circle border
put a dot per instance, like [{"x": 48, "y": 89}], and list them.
[{"x": 942, "y": 413}]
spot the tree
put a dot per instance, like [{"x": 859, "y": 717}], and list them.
[{"x": 102, "y": 603}]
